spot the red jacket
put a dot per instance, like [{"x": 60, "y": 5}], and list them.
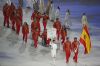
[
  {"x": 57, "y": 25},
  {"x": 34, "y": 14},
  {"x": 25, "y": 29},
  {"x": 12, "y": 9},
  {"x": 34, "y": 25},
  {"x": 18, "y": 22},
  {"x": 5, "y": 9},
  {"x": 19, "y": 13},
  {"x": 38, "y": 17},
  {"x": 67, "y": 46},
  {"x": 75, "y": 45},
  {"x": 45, "y": 18},
  {"x": 63, "y": 33},
  {"x": 12, "y": 12},
  {"x": 35, "y": 35}
]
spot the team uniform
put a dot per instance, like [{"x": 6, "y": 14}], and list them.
[
  {"x": 25, "y": 32},
  {"x": 75, "y": 48},
  {"x": 35, "y": 35},
  {"x": 38, "y": 17},
  {"x": 6, "y": 13},
  {"x": 45, "y": 19},
  {"x": 57, "y": 25},
  {"x": 18, "y": 25},
  {"x": 20, "y": 14},
  {"x": 67, "y": 49},
  {"x": 13, "y": 15}
]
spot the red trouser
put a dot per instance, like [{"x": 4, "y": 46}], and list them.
[
  {"x": 21, "y": 20},
  {"x": 67, "y": 56},
  {"x": 35, "y": 43},
  {"x": 18, "y": 28},
  {"x": 39, "y": 27},
  {"x": 13, "y": 24},
  {"x": 75, "y": 57},
  {"x": 6, "y": 21},
  {"x": 44, "y": 24},
  {"x": 58, "y": 34},
  {"x": 25, "y": 37},
  {"x": 48, "y": 42}
]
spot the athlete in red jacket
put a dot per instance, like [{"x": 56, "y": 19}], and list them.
[
  {"x": 34, "y": 25},
  {"x": 12, "y": 15},
  {"x": 38, "y": 17},
  {"x": 45, "y": 19},
  {"x": 6, "y": 13},
  {"x": 35, "y": 34},
  {"x": 67, "y": 48},
  {"x": 25, "y": 31},
  {"x": 20, "y": 13},
  {"x": 57, "y": 25},
  {"x": 18, "y": 25},
  {"x": 34, "y": 15},
  {"x": 75, "y": 49}
]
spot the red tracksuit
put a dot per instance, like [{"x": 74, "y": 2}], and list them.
[
  {"x": 20, "y": 14},
  {"x": 67, "y": 48},
  {"x": 38, "y": 21},
  {"x": 34, "y": 26},
  {"x": 48, "y": 41},
  {"x": 57, "y": 25},
  {"x": 12, "y": 15},
  {"x": 35, "y": 34},
  {"x": 34, "y": 14},
  {"x": 13, "y": 20},
  {"x": 45, "y": 18},
  {"x": 75, "y": 48},
  {"x": 38, "y": 17},
  {"x": 6, "y": 13},
  {"x": 38, "y": 25},
  {"x": 18, "y": 25},
  {"x": 25, "y": 32}
]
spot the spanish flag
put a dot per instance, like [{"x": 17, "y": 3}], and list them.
[{"x": 85, "y": 40}]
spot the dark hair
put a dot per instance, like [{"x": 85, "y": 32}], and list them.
[
  {"x": 68, "y": 11},
  {"x": 58, "y": 7},
  {"x": 57, "y": 18},
  {"x": 11, "y": 3},
  {"x": 84, "y": 13},
  {"x": 67, "y": 38},
  {"x": 50, "y": 39},
  {"x": 75, "y": 37},
  {"x": 51, "y": 1},
  {"x": 53, "y": 40}
]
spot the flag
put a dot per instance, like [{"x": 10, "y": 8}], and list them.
[
  {"x": 85, "y": 40},
  {"x": 41, "y": 6},
  {"x": 35, "y": 5},
  {"x": 48, "y": 7}
]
